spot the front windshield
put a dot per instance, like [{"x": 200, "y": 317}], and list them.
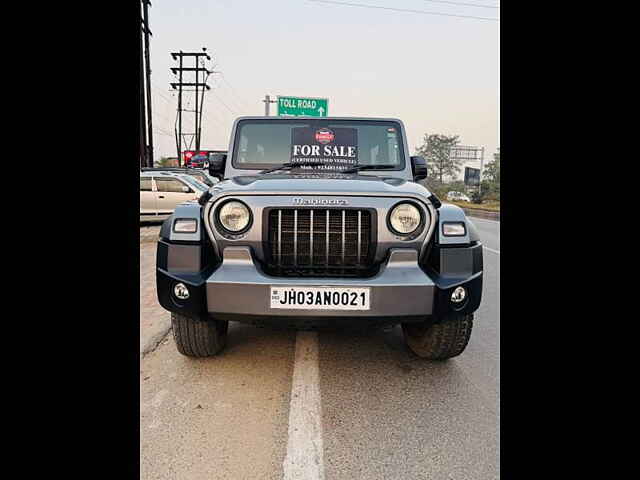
[
  {"x": 195, "y": 183},
  {"x": 200, "y": 177},
  {"x": 336, "y": 144}
]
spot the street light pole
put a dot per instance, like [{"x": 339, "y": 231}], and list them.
[{"x": 267, "y": 100}]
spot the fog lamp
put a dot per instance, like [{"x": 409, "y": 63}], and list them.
[
  {"x": 181, "y": 291},
  {"x": 458, "y": 295}
]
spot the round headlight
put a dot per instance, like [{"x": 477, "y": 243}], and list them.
[
  {"x": 234, "y": 216},
  {"x": 404, "y": 218}
]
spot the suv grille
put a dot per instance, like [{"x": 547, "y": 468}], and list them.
[{"x": 320, "y": 242}]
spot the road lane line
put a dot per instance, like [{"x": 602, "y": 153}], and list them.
[
  {"x": 473, "y": 219},
  {"x": 304, "y": 459},
  {"x": 492, "y": 250}
]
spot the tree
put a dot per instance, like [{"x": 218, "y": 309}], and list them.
[
  {"x": 436, "y": 151},
  {"x": 492, "y": 170},
  {"x": 167, "y": 162}
]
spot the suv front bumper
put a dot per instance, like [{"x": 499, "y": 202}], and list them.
[{"x": 402, "y": 291}]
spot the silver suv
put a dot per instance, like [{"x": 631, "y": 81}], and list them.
[{"x": 320, "y": 221}]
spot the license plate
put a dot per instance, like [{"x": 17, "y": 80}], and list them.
[{"x": 320, "y": 298}]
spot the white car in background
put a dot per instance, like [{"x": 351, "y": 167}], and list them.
[
  {"x": 457, "y": 196},
  {"x": 161, "y": 192}
]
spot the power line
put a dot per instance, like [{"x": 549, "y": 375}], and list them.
[
  {"x": 463, "y": 4},
  {"x": 162, "y": 132},
  {"x": 232, "y": 100},
  {"x": 156, "y": 90},
  {"x": 220, "y": 100},
  {"x": 404, "y": 10},
  {"x": 224, "y": 79},
  {"x": 163, "y": 116}
]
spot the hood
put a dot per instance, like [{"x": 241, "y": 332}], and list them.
[{"x": 328, "y": 184}]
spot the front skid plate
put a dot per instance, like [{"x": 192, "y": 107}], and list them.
[{"x": 400, "y": 289}]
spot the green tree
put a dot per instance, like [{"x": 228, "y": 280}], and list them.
[
  {"x": 457, "y": 186},
  {"x": 436, "y": 149},
  {"x": 492, "y": 170}
]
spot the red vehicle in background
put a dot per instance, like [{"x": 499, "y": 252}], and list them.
[{"x": 198, "y": 158}]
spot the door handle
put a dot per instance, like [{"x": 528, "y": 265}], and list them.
[{"x": 160, "y": 196}]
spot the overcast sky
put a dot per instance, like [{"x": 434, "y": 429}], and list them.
[{"x": 437, "y": 74}]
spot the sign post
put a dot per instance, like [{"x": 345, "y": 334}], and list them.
[{"x": 302, "y": 106}]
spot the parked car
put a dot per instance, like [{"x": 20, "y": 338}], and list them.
[
  {"x": 320, "y": 221},
  {"x": 198, "y": 161},
  {"x": 202, "y": 176},
  {"x": 457, "y": 196},
  {"x": 161, "y": 192}
]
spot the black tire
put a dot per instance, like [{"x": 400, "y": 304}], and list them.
[
  {"x": 439, "y": 341},
  {"x": 198, "y": 338}
]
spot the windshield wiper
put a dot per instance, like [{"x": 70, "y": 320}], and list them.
[
  {"x": 357, "y": 168},
  {"x": 290, "y": 165}
]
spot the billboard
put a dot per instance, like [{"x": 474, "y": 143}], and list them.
[{"x": 471, "y": 176}]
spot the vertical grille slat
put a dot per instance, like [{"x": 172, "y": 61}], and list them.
[
  {"x": 359, "y": 235},
  {"x": 319, "y": 242},
  {"x": 295, "y": 237},
  {"x": 326, "y": 262},
  {"x": 343, "y": 237},
  {"x": 279, "y": 237},
  {"x": 311, "y": 238}
]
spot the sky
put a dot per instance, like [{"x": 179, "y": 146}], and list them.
[{"x": 438, "y": 74}]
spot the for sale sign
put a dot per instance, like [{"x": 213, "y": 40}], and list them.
[{"x": 335, "y": 148}]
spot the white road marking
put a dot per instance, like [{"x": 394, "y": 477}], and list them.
[
  {"x": 304, "y": 458},
  {"x": 473, "y": 219},
  {"x": 492, "y": 250}
]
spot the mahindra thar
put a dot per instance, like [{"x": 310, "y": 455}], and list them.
[{"x": 319, "y": 221}]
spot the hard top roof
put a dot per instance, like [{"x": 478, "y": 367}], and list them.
[{"x": 377, "y": 119}]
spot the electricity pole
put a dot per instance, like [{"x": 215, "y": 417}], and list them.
[
  {"x": 197, "y": 84},
  {"x": 147, "y": 32},
  {"x": 267, "y": 100},
  {"x": 143, "y": 120}
]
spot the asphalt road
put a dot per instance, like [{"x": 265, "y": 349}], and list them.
[{"x": 355, "y": 404}]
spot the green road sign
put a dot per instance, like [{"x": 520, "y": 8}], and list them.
[{"x": 297, "y": 106}]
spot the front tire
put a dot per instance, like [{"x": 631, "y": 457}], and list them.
[
  {"x": 439, "y": 341},
  {"x": 199, "y": 338}
]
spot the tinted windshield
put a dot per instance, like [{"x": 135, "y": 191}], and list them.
[{"x": 346, "y": 143}]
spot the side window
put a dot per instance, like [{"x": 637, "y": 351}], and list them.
[
  {"x": 145, "y": 184},
  {"x": 169, "y": 185}
]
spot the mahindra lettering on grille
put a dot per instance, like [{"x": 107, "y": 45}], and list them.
[
  {"x": 320, "y": 242},
  {"x": 324, "y": 202}
]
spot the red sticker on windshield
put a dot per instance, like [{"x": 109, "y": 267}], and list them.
[{"x": 324, "y": 136}]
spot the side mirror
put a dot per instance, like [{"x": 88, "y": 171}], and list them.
[
  {"x": 419, "y": 167},
  {"x": 186, "y": 189},
  {"x": 217, "y": 163}
]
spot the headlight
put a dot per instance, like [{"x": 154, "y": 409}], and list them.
[
  {"x": 404, "y": 218},
  {"x": 234, "y": 216}
]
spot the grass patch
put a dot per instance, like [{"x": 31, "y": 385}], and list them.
[{"x": 489, "y": 205}]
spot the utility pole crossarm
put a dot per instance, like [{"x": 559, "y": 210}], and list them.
[
  {"x": 175, "y": 55},
  {"x": 190, "y": 69},
  {"x": 176, "y": 85}
]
